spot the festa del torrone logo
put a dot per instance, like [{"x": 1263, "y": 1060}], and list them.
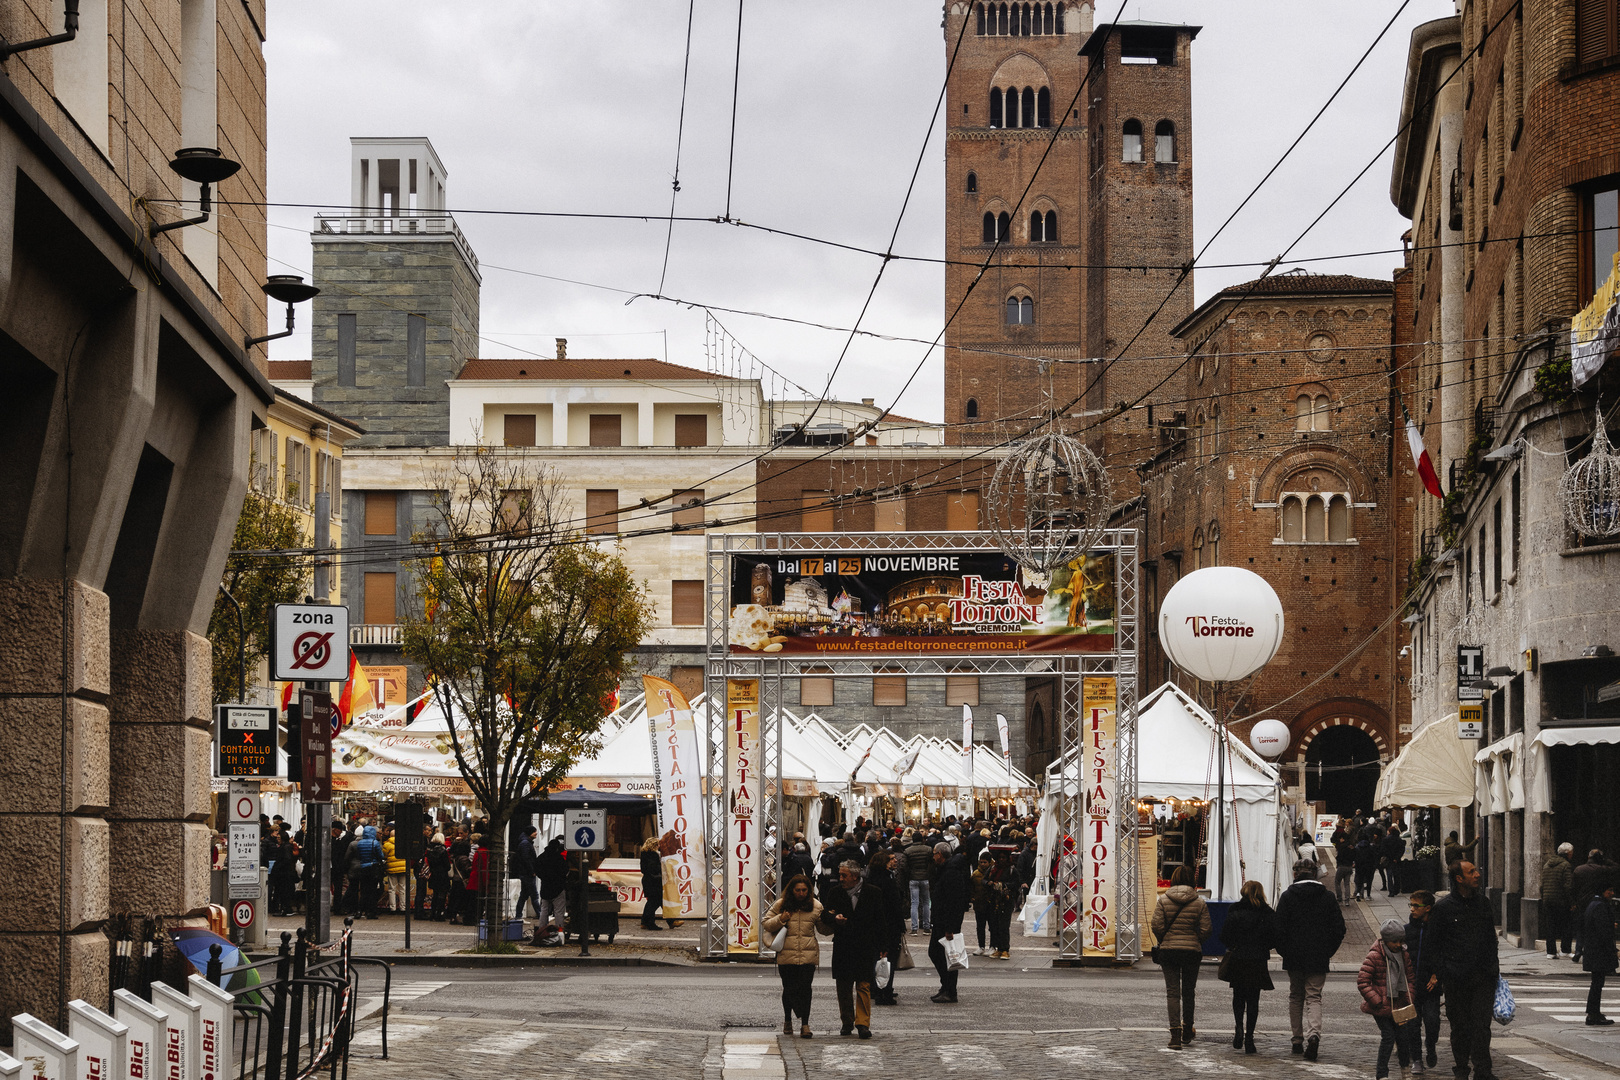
[{"x": 1219, "y": 626}]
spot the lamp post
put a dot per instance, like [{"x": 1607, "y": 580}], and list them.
[
  {"x": 202, "y": 165},
  {"x": 290, "y": 289}
]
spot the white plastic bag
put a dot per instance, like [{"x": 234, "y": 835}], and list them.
[
  {"x": 880, "y": 974},
  {"x": 779, "y": 942},
  {"x": 956, "y": 954}
]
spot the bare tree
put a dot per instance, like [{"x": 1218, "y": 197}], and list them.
[{"x": 525, "y": 629}]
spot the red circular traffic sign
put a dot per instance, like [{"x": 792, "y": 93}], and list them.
[
  {"x": 242, "y": 914},
  {"x": 244, "y": 808}
]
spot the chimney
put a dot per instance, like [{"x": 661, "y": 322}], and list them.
[
  {"x": 867, "y": 400},
  {"x": 562, "y": 348}
]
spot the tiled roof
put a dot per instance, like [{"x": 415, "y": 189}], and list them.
[
  {"x": 290, "y": 370},
  {"x": 581, "y": 370},
  {"x": 1307, "y": 283}
]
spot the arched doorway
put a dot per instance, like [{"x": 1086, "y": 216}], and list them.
[{"x": 1347, "y": 779}]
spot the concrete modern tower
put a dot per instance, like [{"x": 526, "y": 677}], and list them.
[{"x": 397, "y": 315}]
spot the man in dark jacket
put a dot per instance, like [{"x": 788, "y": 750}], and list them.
[
  {"x": 1393, "y": 850},
  {"x": 1601, "y": 959},
  {"x": 1367, "y": 859},
  {"x": 855, "y": 913},
  {"x": 552, "y": 867},
  {"x": 1459, "y": 956},
  {"x": 1557, "y": 885},
  {"x": 521, "y": 866},
  {"x": 1421, "y": 905},
  {"x": 1589, "y": 880},
  {"x": 919, "y": 857},
  {"x": 340, "y": 864},
  {"x": 950, "y": 893},
  {"x": 1310, "y": 927}
]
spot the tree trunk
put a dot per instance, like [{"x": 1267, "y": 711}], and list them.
[{"x": 494, "y": 898}]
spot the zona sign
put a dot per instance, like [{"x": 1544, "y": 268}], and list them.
[{"x": 309, "y": 642}]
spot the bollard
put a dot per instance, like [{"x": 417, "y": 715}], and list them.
[
  {"x": 103, "y": 1042},
  {"x": 147, "y": 1027},
  {"x": 214, "y": 1015},
  {"x": 49, "y": 1053},
  {"x": 180, "y": 1033}
]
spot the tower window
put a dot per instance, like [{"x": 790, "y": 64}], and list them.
[
  {"x": 972, "y": 409},
  {"x": 1026, "y": 116},
  {"x": 1003, "y": 227},
  {"x": 972, "y": 183},
  {"x": 995, "y": 107},
  {"x": 989, "y": 228},
  {"x": 1001, "y": 18},
  {"x": 1020, "y": 311},
  {"x": 1132, "y": 149},
  {"x": 1164, "y": 142},
  {"x": 1043, "y": 227},
  {"x": 978, "y": 15},
  {"x": 1043, "y": 108},
  {"x": 1059, "y": 26}
]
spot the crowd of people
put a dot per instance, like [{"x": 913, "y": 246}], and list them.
[{"x": 869, "y": 888}]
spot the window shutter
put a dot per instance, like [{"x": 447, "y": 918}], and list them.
[
  {"x": 686, "y": 603},
  {"x": 688, "y": 519},
  {"x": 381, "y": 514},
  {"x": 691, "y": 429},
  {"x": 380, "y": 598},
  {"x": 601, "y": 512},
  {"x": 817, "y": 511}
]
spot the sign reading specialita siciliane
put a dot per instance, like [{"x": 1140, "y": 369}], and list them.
[{"x": 931, "y": 602}]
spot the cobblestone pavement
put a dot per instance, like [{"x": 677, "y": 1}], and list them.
[{"x": 458, "y": 1048}]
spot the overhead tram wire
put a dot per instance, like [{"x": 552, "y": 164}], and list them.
[
  {"x": 736, "y": 79},
  {"x": 680, "y": 135}
]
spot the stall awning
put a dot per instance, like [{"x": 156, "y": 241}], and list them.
[
  {"x": 1435, "y": 769},
  {"x": 1578, "y": 736}
]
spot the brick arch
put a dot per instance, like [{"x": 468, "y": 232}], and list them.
[
  {"x": 1280, "y": 467},
  {"x": 1339, "y": 712},
  {"x": 1021, "y": 70}
]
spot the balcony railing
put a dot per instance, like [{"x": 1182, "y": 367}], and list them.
[
  {"x": 374, "y": 634},
  {"x": 410, "y": 223}
]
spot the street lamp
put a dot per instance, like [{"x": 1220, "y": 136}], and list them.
[
  {"x": 290, "y": 289},
  {"x": 203, "y": 165}
]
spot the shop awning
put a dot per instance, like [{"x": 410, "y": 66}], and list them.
[
  {"x": 1578, "y": 736},
  {"x": 1435, "y": 769}
]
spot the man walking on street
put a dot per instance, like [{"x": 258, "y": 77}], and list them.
[
  {"x": 855, "y": 914},
  {"x": 1459, "y": 956},
  {"x": 1427, "y": 1001},
  {"x": 1309, "y": 930},
  {"x": 919, "y": 858},
  {"x": 1344, "y": 858},
  {"x": 950, "y": 907},
  {"x": 1557, "y": 882},
  {"x": 1590, "y": 879}
]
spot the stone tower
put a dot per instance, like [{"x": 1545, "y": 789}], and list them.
[{"x": 398, "y": 310}]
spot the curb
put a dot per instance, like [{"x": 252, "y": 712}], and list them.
[
  {"x": 499, "y": 961},
  {"x": 1561, "y": 1049}
]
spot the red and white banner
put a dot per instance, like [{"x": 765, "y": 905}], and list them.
[
  {"x": 1101, "y": 775},
  {"x": 1420, "y": 456},
  {"x": 680, "y": 803},
  {"x": 742, "y": 792}
]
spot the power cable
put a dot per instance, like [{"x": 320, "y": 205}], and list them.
[
  {"x": 680, "y": 134},
  {"x": 736, "y": 79}
]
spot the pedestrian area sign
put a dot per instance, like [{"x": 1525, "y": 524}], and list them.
[{"x": 585, "y": 830}]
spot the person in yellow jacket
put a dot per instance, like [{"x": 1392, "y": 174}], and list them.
[{"x": 394, "y": 869}]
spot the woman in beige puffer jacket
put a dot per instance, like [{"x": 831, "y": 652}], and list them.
[
  {"x": 1180, "y": 924},
  {"x": 796, "y": 962}
]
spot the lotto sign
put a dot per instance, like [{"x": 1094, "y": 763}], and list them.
[
  {"x": 1470, "y": 722},
  {"x": 742, "y": 815},
  {"x": 245, "y": 736},
  {"x": 1097, "y": 858},
  {"x": 242, "y": 914},
  {"x": 585, "y": 830},
  {"x": 309, "y": 642}
]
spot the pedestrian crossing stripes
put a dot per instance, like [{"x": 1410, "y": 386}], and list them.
[
  {"x": 619, "y": 1052},
  {"x": 410, "y": 991},
  {"x": 966, "y": 1057}
]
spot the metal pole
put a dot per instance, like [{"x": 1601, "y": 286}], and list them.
[
  {"x": 241, "y": 648},
  {"x": 582, "y": 913},
  {"x": 1220, "y": 796}
]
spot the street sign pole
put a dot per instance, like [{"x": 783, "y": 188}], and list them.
[
  {"x": 313, "y": 744},
  {"x": 318, "y": 814},
  {"x": 584, "y": 830},
  {"x": 242, "y": 858}
]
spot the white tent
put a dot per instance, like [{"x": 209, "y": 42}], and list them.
[
  {"x": 1435, "y": 768},
  {"x": 1176, "y": 740}
]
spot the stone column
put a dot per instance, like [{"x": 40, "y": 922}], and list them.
[{"x": 53, "y": 794}]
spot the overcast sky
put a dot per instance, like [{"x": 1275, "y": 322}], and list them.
[{"x": 549, "y": 106}]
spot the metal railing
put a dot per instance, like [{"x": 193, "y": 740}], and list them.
[
  {"x": 406, "y": 223},
  {"x": 374, "y": 634}
]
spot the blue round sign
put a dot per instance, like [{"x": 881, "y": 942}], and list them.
[{"x": 584, "y": 836}]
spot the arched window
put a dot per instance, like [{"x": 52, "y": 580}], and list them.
[
  {"x": 973, "y": 183},
  {"x": 1198, "y": 548},
  {"x": 1043, "y": 108},
  {"x": 1026, "y": 115},
  {"x": 989, "y": 228},
  {"x": 1132, "y": 150},
  {"x": 1164, "y": 141},
  {"x": 1302, "y": 413},
  {"x": 1020, "y": 311},
  {"x": 1338, "y": 519},
  {"x": 1214, "y": 544},
  {"x": 1321, "y": 416},
  {"x": 1311, "y": 413},
  {"x": 1003, "y": 228},
  {"x": 1293, "y": 520},
  {"x": 1049, "y": 26},
  {"x": 995, "y": 107},
  {"x": 1001, "y": 18},
  {"x": 1024, "y": 19},
  {"x": 972, "y": 410},
  {"x": 1051, "y": 227},
  {"x": 1198, "y": 438},
  {"x": 1037, "y": 227},
  {"x": 978, "y": 11},
  {"x": 1059, "y": 27},
  {"x": 1315, "y": 519}
]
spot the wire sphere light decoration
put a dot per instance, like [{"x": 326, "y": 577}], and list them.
[
  {"x": 1048, "y": 502},
  {"x": 1590, "y": 490}
]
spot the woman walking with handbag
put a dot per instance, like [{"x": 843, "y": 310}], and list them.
[
  {"x": 1180, "y": 924},
  {"x": 1386, "y": 982},
  {"x": 794, "y": 917},
  {"x": 1249, "y": 934}
]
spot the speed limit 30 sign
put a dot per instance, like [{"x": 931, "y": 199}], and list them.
[
  {"x": 242, "y": 914},
  {"x": 309, "y": 642}
]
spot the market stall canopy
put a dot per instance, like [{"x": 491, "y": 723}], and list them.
[
  {"x": 1594, "y": 735},
  {"x": 579, "y": 798},
  {"x": 1434, "y": 769}
]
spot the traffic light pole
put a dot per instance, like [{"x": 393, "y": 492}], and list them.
[{"x": 318, "y": 830}]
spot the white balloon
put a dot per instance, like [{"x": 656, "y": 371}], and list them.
[
  {"x": 1269, "y": 737},
  {"x": 1221, "y": 623}
]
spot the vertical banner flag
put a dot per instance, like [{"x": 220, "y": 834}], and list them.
[
  {"x": 966, "y": 794},
  {"x": 742, "y": 791},
  {"x": 1100, "y": 775},
  {"x": 678, "y": 785},
  {"x": 1006, "y": 749}
]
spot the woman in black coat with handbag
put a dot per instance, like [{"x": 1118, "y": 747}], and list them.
[{"x": 1249, "y": 934}]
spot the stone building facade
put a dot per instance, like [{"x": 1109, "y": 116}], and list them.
[
  {"x": 1283, "y": 467},
  {"x": 1510, "y": 174},
  {"x": 123, "y": 466}
]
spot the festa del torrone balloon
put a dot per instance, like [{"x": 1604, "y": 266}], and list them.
[{"x": 1221, "y": 623}]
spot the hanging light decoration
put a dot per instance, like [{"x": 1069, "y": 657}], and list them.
[
  {"x": 1590, "y": 490},
  {"x": 1049, "y": 501}
]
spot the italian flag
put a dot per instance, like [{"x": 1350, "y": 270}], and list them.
[
  {"x": 356, "y": 696},
  {"x": 1420, "y": 455}
]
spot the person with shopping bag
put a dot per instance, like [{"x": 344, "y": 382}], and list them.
[
  {"x": 950, "y": 901},
  {"x": 855, "y": 913},
  {"x": 880, "y": 875},
  {"x": 794, "y": 917},
  {"x": 1459, "y": 956},
  {"x": 1180, "y": 924},
  {"x": 1386, "y": 981}
]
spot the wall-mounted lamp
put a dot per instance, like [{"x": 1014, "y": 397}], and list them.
[
  {"x": 1506, "y": 453},
  {"x": 1500, "y": 671},
  {"x": 70, "y": 30},
  {"x": 289, "y": 289},
  {"x": 202, "y": 165}
]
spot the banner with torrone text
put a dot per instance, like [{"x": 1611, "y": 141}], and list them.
[
  {"x": 742, "y": 789},
  {"x": 1100, "y": 775},
  {"x": 679, "y": 795}
]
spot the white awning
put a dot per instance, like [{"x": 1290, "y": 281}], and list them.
[
  {"x": 1434, "y": 769},
  {"x": 1578, "y": 736}
]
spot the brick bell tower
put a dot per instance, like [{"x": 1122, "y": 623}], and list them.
[{"x": 1017, "y": 71}]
